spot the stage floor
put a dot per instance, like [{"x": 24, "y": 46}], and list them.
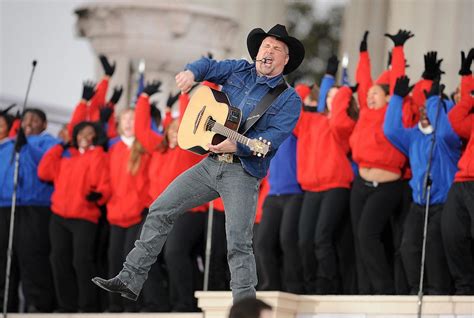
[{"x": 216, "y": 305}]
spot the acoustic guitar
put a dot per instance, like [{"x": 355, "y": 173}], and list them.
[{"x": 210, "y": 119}]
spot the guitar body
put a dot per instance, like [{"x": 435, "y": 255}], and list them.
[{"x": 193, "y": 133}]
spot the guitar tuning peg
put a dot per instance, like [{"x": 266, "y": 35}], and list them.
[
  {"x": 259, "y": 138},
  {"x": 269, "y": 143},
  {"x": 259, "y": 155}
]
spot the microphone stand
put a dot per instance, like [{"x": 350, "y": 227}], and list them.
[
  {"x": 427, "y": 182},
  {"x": 12, "y": 213}
]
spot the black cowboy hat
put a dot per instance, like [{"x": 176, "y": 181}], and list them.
[{"x": 295, "y": 47}]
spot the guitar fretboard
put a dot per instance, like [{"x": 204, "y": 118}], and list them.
[{"x": 229, "y": 133}]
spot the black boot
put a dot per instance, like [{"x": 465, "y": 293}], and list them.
[{"x": 115, "y": 285}]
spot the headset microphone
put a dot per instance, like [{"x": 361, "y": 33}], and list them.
[{"x": 263, "y": 60}]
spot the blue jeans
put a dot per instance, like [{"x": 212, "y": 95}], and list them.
[{"x": 200, "y": 184}]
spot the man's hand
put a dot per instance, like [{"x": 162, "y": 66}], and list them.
[
  {"x": 184, "y": 81},
  {"x": 227, "y": 146}
]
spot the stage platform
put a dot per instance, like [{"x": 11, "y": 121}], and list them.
[{"x": 216, "y": 305}]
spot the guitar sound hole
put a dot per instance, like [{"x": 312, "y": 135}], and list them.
[{"x": 209, "y": 123}]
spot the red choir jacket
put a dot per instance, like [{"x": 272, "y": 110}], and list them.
[
  {"x": 370, "y": 148},
  {"x": 75, "y": 175},
  {"x": 461, "y": 118},
  {"x": 323, "y": 145},
  {"x": 143, "y": 132},
  {"x": 129, "y": 192}
]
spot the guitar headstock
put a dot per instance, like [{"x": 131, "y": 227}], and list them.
[{"x": 260, "y": 147}]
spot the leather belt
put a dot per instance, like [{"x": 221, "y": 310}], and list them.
[{"x": 225, "y": 157}]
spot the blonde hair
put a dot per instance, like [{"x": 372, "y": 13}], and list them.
[
  {"x": 137, "y": 149},
  {"x": 164, "y": 145}
]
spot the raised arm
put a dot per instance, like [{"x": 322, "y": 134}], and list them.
[
  {"x": 398, "y": 56},
  {"x": 327, "y": 82},
  {"x": 461, "y": 116},
  {"x": 107, "y": 113},
  {"x": 169, "y": 106},
  {"x": 363, "y": 76},
  {"x": 81, "y": 112},
  {"x": 101, "y": 90},
  {"x": 93, "y": 111},
  {"x": 431, "y": 72},
  {"x": 143, "y": 132},
  {"x": 340, "y": 123},
  {"x": 214, "y": 71},
  {"x": 393, "y": 128},
  {"x": 435, "y": 106},
  {"x": 467, "y": 81}
]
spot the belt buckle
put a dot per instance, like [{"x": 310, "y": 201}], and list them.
[
  {"x": 372, "y": 184},
  {"x": 225, "y": 157}
]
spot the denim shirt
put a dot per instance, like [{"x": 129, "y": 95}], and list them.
[{"x": 245, "y": 89}]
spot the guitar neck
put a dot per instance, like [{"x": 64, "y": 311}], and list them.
[{"x": 229, "y": 133}]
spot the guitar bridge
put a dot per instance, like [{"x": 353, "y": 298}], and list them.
[{"x": 198, "y": 119}]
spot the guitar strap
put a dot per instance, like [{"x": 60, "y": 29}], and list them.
[{"x": 262, "y": 107}]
